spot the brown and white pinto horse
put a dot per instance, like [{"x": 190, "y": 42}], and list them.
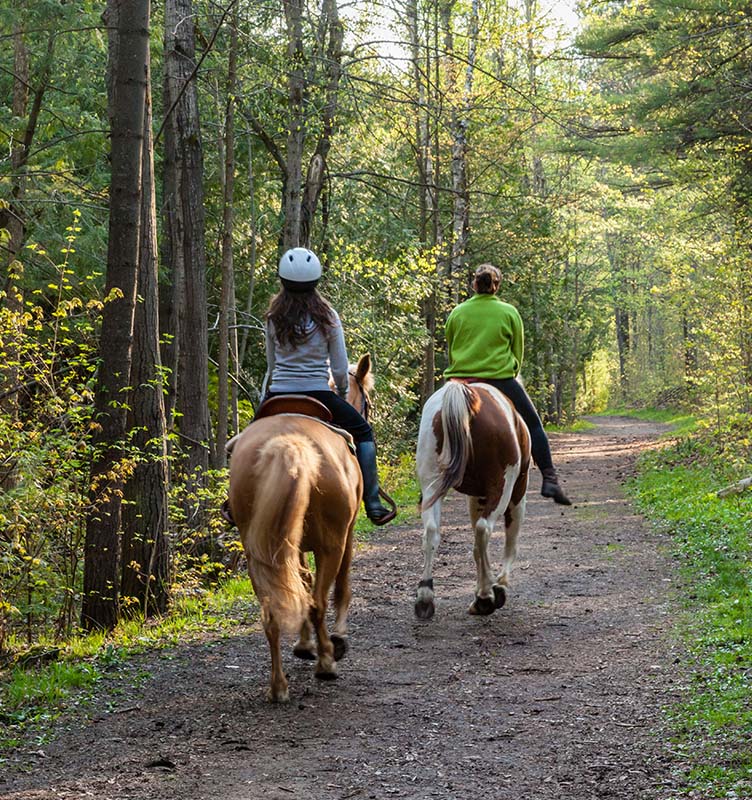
[
  {"x": 295, "y": 487},
  {"x": 471, "y": 439}
]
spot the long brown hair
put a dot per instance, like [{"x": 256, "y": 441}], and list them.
[{"x": 291, "y": 313}]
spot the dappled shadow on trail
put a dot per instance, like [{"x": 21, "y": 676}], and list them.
[{"x": 559, "y": 694}]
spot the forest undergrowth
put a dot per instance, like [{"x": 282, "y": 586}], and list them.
[{"x": 711, "y": 536}]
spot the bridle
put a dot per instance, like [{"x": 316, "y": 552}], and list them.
[{"x": 365, "y": 408}]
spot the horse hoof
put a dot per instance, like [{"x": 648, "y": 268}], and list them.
[
  {"x": 324, "y": 675},
  {"x": 500, "y": 595},
  {"x": 304, "y": 652},
  {"x": 483, "y": 606},
  {"x": 341, "y": 646},
  {"x": 278, "y": 697},
  {"x": 424, "y": 609}
]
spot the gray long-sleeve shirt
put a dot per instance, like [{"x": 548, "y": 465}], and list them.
[{"x": 305, "y": 366}]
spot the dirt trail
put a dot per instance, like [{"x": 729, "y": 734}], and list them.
[{"x": 558, "y": 695}]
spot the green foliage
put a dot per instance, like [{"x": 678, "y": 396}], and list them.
[
  {"x": 48, "y": 352},
  {"x": 399, "y": 479},
  {"x": 677, "y": 487},
  {"x": 379, "y": 303},
  {"x": 668, "y": 125}
]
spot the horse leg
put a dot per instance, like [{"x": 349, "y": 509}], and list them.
[
  {"x": 342, "y": 596},
  {"x": 303, "y": 648},
  {"x": 513, "y": 517},
  {"x": 278, "y": 692},
  {"x": 484, "y": 602},
  {"x": 326, "y": 569},
  {"x": 424, "y": 605}
]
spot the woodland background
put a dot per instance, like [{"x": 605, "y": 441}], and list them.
[{"x": 156, "y": 159}]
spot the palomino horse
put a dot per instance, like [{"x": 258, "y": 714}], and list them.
[
  {"x": 471, "y": 439},
  {"x": 295, "y": 487}
]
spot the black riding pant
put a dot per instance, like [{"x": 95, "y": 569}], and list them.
[
  {"x": 343, "y": 414},
  {"x": 515, "y": 391}
]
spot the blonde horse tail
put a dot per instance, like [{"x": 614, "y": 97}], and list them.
[
  {"x": 458, "y": 406},
  {"x": 286, "y": 470}
]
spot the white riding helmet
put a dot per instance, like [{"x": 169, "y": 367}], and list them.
[{"x": 299, "y": 269}]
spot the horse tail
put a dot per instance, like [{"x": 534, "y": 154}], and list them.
[
  {"x": 458, "y": 406},
  {"x": 286, "y": 469}
]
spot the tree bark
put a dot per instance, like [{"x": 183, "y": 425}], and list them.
[
  {"x": 424, "y": 165},
  {"x": 145, "y": 552},
  {"x": 186, "y": 216},
  {"x": 334, "y": 31},
  {"x": 460, "y": 120},
  {"x": 227, "y": 298},
  {"x": 252, "y": 270},
  {"x": 296, "y": 124},
  {"x": 128, "y": 98}
]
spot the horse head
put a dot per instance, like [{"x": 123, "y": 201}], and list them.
[{"x": 360, "y": 385}]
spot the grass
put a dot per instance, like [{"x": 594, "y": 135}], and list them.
[{"x": 712, "y": 539}]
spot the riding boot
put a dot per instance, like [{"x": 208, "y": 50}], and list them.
[
  {"x": 551, "y": 488},
  {"x": 376, "y": 512}
]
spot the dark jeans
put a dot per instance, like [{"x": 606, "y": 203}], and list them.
[
  {"x": 525, "y": 408},
  {"x": 343, "y": 414}
]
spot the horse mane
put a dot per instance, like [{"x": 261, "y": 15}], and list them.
[{"x": 459, "y": 405}]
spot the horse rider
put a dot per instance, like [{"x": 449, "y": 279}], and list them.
[
  {"x": 304, "y": 342},
  {"x": 485, "y": 339}
]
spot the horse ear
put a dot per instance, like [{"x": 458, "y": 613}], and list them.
[{"x": 363, "y": 368}]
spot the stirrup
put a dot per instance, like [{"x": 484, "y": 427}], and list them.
[{"x": 390, "y": 515}]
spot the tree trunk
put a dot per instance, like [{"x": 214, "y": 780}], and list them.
[
  {"x": 145, "y": 553},
  {"x": 252, "y": 275},
  {"x": 460, "y": 120},
  {"x": 296, "y": 125},
  {"x": 186, "y": 211},
  {"x": 128, "y": 103},
  {"x": 172, "y": 293},
  {"x": 317, "y": 168},
  {"x": 422, "y": 145},
  {"x": 12, "y": 219},
  {"x": 621, "y": 320},
  {"x": 227, "y": 298}
]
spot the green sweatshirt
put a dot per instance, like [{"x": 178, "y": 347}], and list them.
[{"x": 485, "y": 339}]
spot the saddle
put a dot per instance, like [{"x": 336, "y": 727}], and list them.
[
  {"x": 298, "y": 405},
  {"x": 294, "y": 404}
]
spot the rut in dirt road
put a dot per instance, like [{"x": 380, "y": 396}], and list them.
[{"x": 557, "y": 695}]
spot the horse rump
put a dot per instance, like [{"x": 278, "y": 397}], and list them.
[
  {"x": 459, "y": 404},
  {"x": 285, "y": 470}
]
